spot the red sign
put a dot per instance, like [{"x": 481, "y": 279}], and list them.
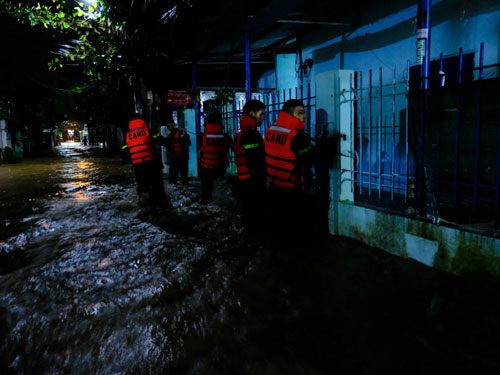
[{"x": 179, "y": 98}]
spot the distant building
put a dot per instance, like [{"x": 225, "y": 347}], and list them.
[{"x": 4, "y": 135}]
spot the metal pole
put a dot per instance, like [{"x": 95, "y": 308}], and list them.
[
  {"x": 481, "y": 60},
  {"x": 370, "y": 120},
  {"x": 478, "y": 131},
  {"x": 439, "y": 128},
  {"x": 301, "y": 71},
  {"x": 196, "y": 104},
  {"x": 355, "y": 122},
  {"x": 460, "y": 65},
  {"x": 278, "y": 107},
  {"x": 352, "y": 109},
  {"x": 393, "y": 130},
  {"x": 406, "y": 133},
  {"x": 457, "y": 128},
  {"x": 498, "y": 180},
  {"x": 380, "y": 135},
  {"x": 309, "y": 109},
  {"x": 442, "y": 77},
  {"x": 424, "y": 39},
  {"x": 361, "y": 133},
  {"x": 248, "y": 81}
]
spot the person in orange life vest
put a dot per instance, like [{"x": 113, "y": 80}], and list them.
[
  {"x": 289, "y": 155},
  {"x": 214, "y": 148},
  {"x": 178, "y": 143},
  {"x": 146, "y": 162},
  {"x": 249, "y": 157}
]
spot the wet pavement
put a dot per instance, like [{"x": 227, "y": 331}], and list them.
[{"x": 91, "y": 284}]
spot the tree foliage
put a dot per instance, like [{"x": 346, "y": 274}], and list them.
[
  {"x": 104, "y": 45},
  {"x": 93, "y": 38}
]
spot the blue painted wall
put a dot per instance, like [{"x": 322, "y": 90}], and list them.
[
  {"x": 286, "y": 75},
  {"x": 391, "y": 41},
  {"x": 267, "y": 80}
]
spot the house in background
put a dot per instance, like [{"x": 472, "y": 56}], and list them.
[
  {"x": 413, "y": 88},
  {"x": 4, "y": 138}
]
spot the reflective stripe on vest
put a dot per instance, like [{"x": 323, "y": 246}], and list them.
[
  {"x": 281, "y": 162},
  {"x": 140, "y": 145},
  {"x": 213, "y": 147},
  {"x": 241, "y": 159}
]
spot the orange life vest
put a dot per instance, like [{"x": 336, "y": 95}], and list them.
[
  {"x": 179, "y": 146},
  {"x": 139, "y": 142},
  {"x": 247, "y": 123},
  {"x": 213, "y": 147},
  {"x": 281, "y": 162}
]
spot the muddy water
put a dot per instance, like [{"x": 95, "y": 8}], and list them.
[{"x": 90, "y": 284}]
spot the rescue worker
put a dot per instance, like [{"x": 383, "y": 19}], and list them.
[
  {"x": 214, "y": 148},
  {"x": 146, "y": 163},
  {"x": 178, "y": 143},
  {"x": 289, "y": 154},
  {"x": 249, "y": 157}
]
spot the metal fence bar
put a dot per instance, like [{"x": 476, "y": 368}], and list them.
[
  {"x": 498, "y": 179},
  {"x": 489, "y": 66},
  {"x": 370, "y": 136},
  {"x": 442, "y": 77},
  {"x": 438, "y": 129},
  {"x": 407, "y": 145},
  {"x": 381, "y": 111},
  {"x": 458, "y": 114},
  {"x": 478, "y": 133},
  {"x": 393, "y": 158},
  {"x": 309, "y": 108},
  {"x": 352, "y": 85},
  {"x": 460, "y": 65},
  {"x": 361, "y": 133}
]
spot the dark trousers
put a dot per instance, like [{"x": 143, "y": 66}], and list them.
[
  {"x": 207, "y": 179},
  {"x": 292, "y": 215},
  {"x": 178, "y": 165},
  {"x": 149, "y": 180},
  {"x": 251, "y": 197}
]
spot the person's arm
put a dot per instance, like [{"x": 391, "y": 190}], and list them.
[
  {"x": 303, "y": 148},
  {"x": 160, "y": 140},
  {"x": 305, "y": 152}
]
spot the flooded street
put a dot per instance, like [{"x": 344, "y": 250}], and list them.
[{"x": 90, "y": 284}]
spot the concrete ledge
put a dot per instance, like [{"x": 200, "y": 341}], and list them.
[{"x": 448, "y": 249}]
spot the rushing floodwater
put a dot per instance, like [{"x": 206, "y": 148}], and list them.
[{"x": 89, "y": 284}]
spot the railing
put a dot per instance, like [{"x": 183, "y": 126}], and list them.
[
  {"x": 383, "y": 172},
  {"x": 273, "y": 101},
  {"x": 457, "y": 130},
  {"x": 430, "y": 153}
]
